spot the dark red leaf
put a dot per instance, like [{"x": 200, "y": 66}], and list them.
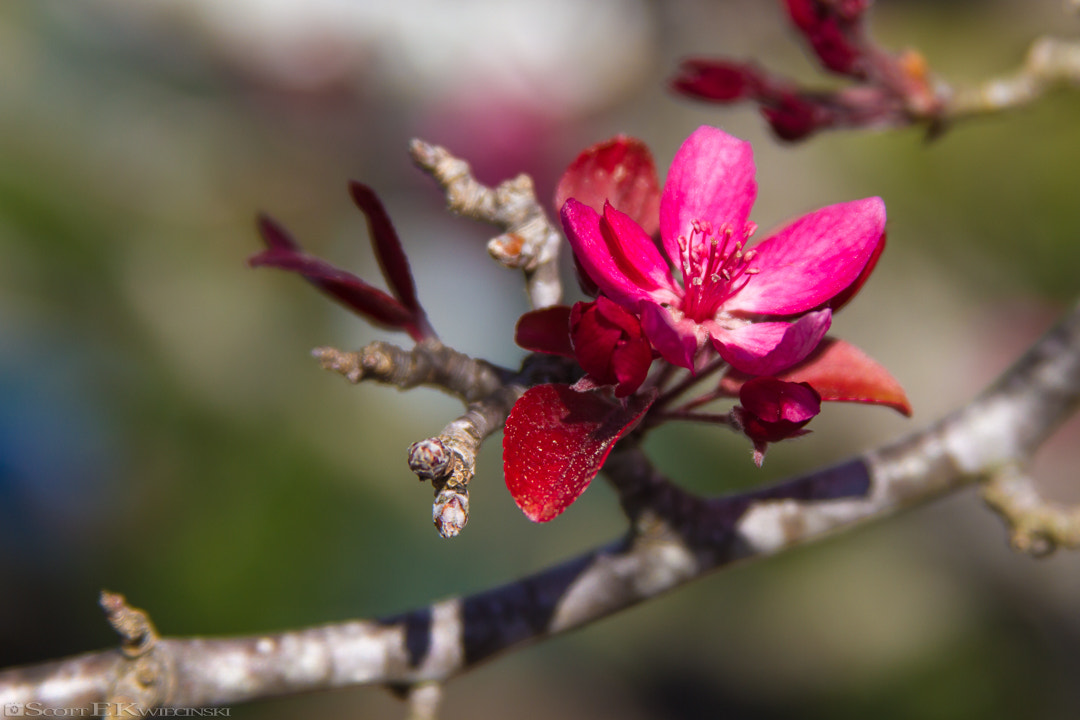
[
  {"x": 545, "y": 331},
  {"x": 839, "y": 372},
  {"x": 387, "y": 245},
  {"x": 620, "y": 171},
  {"x": 274, "y": 235},
  {"x": 555, "y": 442},
  {"x": 374, "y": 304}
]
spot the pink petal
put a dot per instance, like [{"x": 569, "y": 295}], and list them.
[
  {"x": 676, "y": 341},
  {"x": 617, "y": 255},
  {"x": 711, "y": 179},
  {"x": 844, "y": 296},
  {"x": 818, "y": 256},
  {"x": 555, "y": 442},
  {"x": 767, "y": 348},
  {"x": 620, "y": 171},
  {"x": 637, "y": 255}
]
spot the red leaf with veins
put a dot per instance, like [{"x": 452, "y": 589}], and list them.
[
  {"x": 555, "y": 442},
  {"x": 839, "y": 372},
  {"x": 620, "y": 171}
]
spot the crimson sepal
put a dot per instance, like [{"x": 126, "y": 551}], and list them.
[
  {"x": 620, "y": 171},
  {"x": 555, "y": 442},
  {"x": 545, "y": 331},
  {"x": 839, "y": 372}
]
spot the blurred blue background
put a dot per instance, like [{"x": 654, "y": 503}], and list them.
[{"x": 164, "y": 432}]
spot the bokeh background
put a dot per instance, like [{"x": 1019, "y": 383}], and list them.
[{"x": 164, "y": 432}]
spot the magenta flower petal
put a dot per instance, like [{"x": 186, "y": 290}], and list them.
[
  {"x": 712, "y": 180},
  {"x": 676, "y": 341},
  {"x": 616, "y": 254},
  {"x": 767, "y": 348},
  {"x": 813, "y": 259},
  {"x": 637, "y": 255}
]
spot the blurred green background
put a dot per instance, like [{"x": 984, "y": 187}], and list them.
[{"x": 164, "y": 432}]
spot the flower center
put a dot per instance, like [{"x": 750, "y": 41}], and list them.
[{"x": 714, "y": 267}]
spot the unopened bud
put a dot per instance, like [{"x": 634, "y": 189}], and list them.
[
  {"x": 450, "y": 512},
  {"x": 429, "y": 458}
]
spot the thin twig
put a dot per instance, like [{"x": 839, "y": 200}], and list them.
[
  {"x": 528, "y": 241},
  {"x": 1050, "y": 62},
  {"x": 1036, "y": 526}
]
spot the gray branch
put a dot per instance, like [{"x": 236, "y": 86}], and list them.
[{"x": 675, "y": 537}]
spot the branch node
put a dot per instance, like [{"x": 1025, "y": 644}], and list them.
[
  {"x": 137, "y": 633},
  {"x": 145, "y": 677},
  {"x": 429, "y": 458},
  {"x": 424, "y": 699},
  {"x": 1037, "y": 527}
]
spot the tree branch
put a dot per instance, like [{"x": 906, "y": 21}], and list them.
[
  {"x": 529, "y": 242},
  {"x": 675, "y": 538},
  {"x": 1050, "y": 62}
]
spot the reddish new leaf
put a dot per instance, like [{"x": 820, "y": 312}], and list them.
[
  {"x": 839, "y": 372},
  {"x": 386, "y": 244},
  {"x": 620, "y": 171},
  {"x": 555, "y": 442},
  {"x": 284, "y": 253}
]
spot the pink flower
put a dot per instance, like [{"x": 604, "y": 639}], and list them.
[{"x": 764, "y": 308}]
